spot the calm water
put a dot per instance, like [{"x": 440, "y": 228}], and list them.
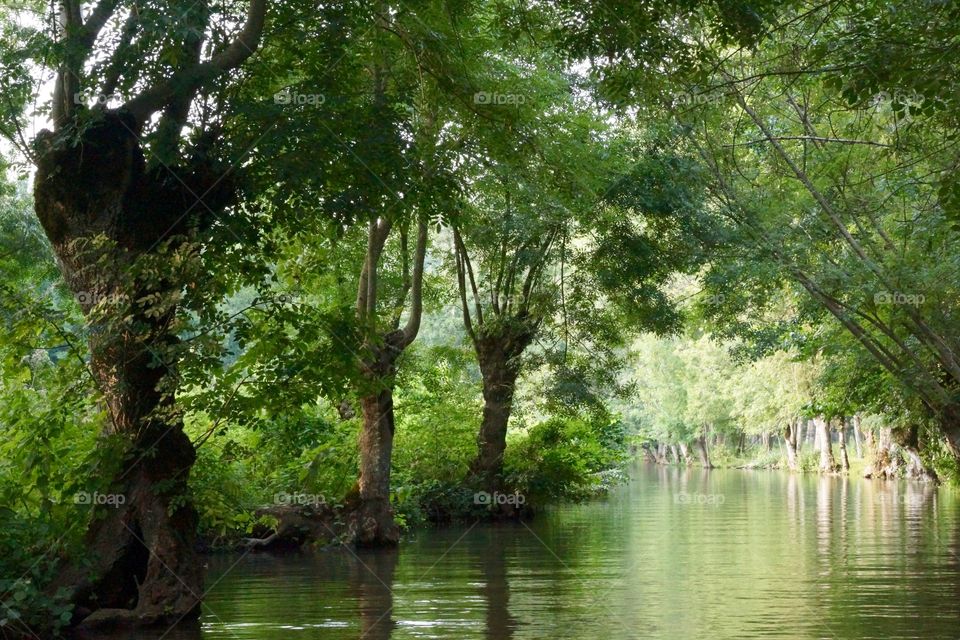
[{"x": 674, "y": 554}]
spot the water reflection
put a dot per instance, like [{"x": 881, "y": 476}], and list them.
[
  {"x": 677, "y": 553},
  {"x": 371, "y": 584},
  {"x": 490, "y": 551}
]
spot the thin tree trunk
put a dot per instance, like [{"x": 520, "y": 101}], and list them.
[
  {"x": 844, "y": 460},
  {"x": 855, "y": 423},
  {"x": 685, "y": 453}
]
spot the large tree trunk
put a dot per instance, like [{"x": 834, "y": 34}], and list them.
[
  {"x": 374, "y": 525},
  {"x": 827, "y": 462},
  {"x": 498, "y": 354},
  {"x": 372, "y": 517},
  {"x": 499, "y": 385},
  {"x": 104, "y": 213},
  {"x": 791, "y": 438},
  {"x": 685, "y": 452}
]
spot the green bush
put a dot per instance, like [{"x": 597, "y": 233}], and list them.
[{"x": 565, "y": 458}]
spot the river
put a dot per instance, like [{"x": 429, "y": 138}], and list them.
[{"x": 673, "y": 554}]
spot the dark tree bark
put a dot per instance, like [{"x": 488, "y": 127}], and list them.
[
  {"x": 909, "y": 441},
  {"x": 103, "y": 212},
  {"x": 500, "y": 335},
  {"x": 498, "y": 353}
]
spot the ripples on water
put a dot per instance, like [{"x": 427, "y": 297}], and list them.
[{"x": 674, "y": 554}]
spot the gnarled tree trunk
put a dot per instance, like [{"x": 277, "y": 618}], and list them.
[
  {"x": 886, "y": 458},
  {"x": 499, "y": 356},
  {"x": 909, "y": 441},
  {"x": 104, "y": 212}
]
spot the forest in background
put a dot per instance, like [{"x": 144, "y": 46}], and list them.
[{"x": 275, "y": 275}]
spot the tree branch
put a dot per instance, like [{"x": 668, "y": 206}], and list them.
[
  {"x": 412, "y": 327},
  {"x": 187, "y": 82}
]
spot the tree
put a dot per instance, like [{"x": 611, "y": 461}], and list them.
[
  {"x": 117, "y": 194},
  {"x": 514, "y": 246}
]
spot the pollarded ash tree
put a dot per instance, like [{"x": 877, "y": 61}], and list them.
[
  {"x": 564, "y": 251},
  {"x": 124, "y": 196},
  {"x": 511, "y": 243}
]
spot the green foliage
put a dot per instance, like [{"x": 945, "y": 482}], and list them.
[{"x": 565, "y": 457}]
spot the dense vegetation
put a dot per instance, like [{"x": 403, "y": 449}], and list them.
[{"x": 276, "y": 274}]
